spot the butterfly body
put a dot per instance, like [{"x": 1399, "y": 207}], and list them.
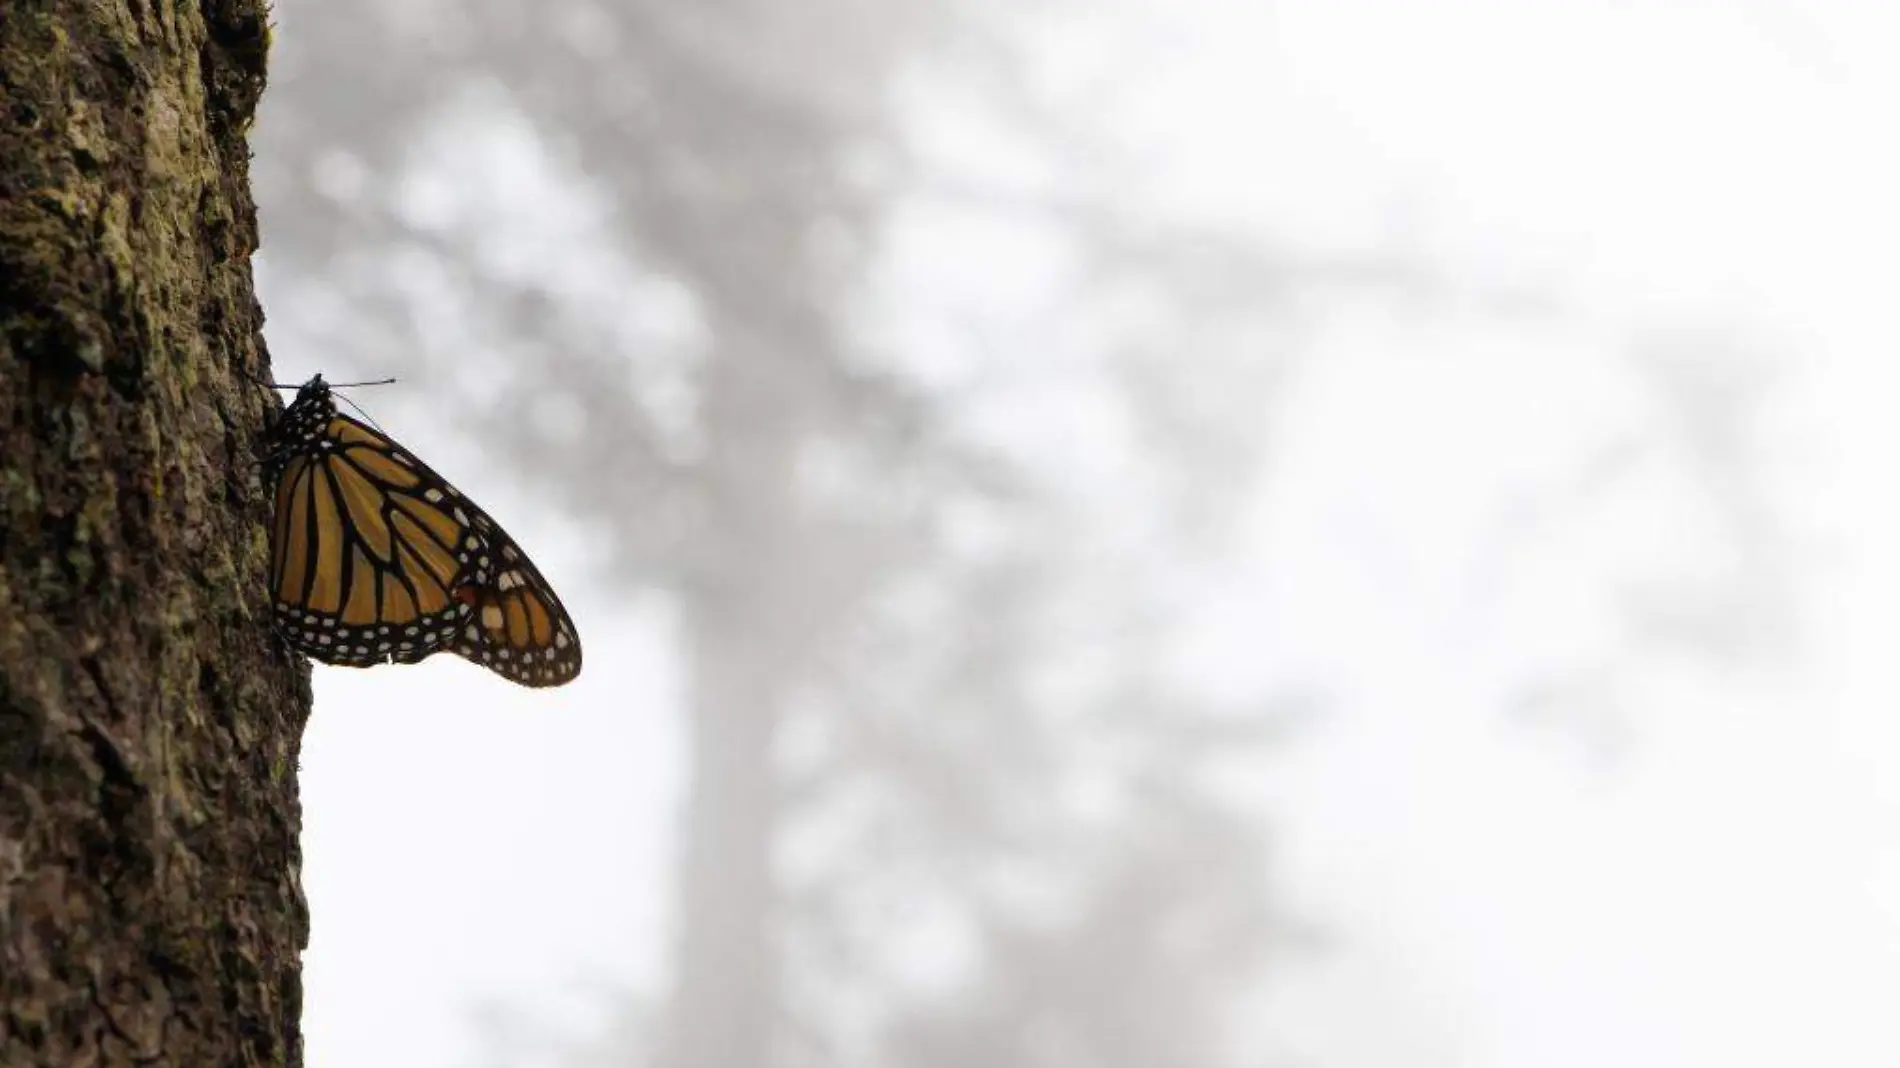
[{"x": 376, "y": 559}]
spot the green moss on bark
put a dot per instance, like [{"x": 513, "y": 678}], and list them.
[{"x": 149, "y": 723}]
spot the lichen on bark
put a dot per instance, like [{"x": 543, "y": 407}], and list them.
[{"x": 150, "y": 911}]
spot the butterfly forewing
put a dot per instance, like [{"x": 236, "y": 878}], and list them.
[{"x": 375, "y": 558}]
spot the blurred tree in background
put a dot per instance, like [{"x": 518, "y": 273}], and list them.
[
  {"x": 931, "y": 712},
  {"x": 876, "y": 600}
]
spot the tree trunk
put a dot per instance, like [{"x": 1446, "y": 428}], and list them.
[
  {"x": 149, "y": 722},
  {"x": 726, "y": 1005},
  {"x": 726, "y": 985}
]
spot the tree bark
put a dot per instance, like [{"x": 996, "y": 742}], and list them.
[{"x": 149, "y": 903}]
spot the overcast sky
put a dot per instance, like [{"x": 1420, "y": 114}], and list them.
[{"x": 1702, "y": 866}]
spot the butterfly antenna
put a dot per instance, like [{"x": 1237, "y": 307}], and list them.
[
  {"x": 268, "y": 384},
  {"x": 359, "y": 408}
]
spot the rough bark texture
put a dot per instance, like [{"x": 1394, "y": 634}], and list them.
[{"x": 149, "y": 903}]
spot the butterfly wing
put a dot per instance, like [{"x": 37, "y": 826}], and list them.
[
  {"x": 517, "y": 626},
  {"x": 376, "y": 558},
  {"x": 364, "y": 566}
]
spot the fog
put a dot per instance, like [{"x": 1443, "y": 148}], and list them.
[{"x": 1207, "y": 534}]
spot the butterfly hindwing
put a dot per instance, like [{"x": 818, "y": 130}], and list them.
[
  {"x": 375, "y": 558},
  {"x": 517, "y": 627}
]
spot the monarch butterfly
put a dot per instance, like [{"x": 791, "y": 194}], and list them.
[{"x": 375, "y": 558}]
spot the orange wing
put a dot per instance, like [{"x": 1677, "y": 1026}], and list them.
[{"x": 375, "y": 558}]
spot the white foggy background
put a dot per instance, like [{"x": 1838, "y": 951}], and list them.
[{"x": 1556, "y": 548}]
